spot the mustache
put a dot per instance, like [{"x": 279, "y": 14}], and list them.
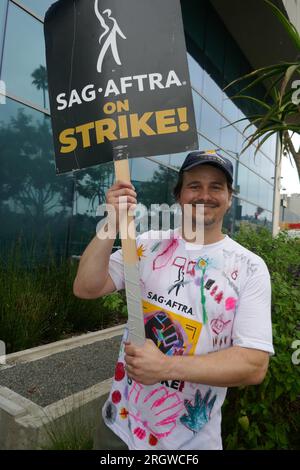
[{"x": 195, "y": 203}]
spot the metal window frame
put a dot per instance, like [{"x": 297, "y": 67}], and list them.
[
  {"x": 27, "y": 10},
  {"x": 3, "y": 36},
  {"x": 29, "y": 104}
]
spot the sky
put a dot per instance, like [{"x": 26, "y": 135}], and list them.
[{"x": 290, "y": 183}]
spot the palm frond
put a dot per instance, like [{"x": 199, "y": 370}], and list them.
[{"x": 289, "y": 27}]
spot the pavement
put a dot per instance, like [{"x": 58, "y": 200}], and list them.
[{"x": 60, "y": 375}]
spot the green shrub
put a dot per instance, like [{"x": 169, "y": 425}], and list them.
[
  {"x": 268, "y": 416},
  {"x": 37, "y": 304}
]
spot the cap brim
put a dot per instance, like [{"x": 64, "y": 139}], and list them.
[{"x": 228, "y": 175}]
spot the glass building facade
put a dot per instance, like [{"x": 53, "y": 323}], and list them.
[{"x": 40, "y": 207}]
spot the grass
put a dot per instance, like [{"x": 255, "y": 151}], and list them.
[
  {"x": 37, "y": 304},
  {"x": 72, "y": 430}
]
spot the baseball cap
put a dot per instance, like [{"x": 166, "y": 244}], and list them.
[{"x": 208, "y": 157}]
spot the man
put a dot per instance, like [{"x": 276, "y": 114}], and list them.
[{"x": 207, "y": 312}]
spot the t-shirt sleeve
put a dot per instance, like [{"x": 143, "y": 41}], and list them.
[
  {"x": 116, "y": 265},
  {"x": 252, "y": 326},
  {"x": 116, "y": 269}
]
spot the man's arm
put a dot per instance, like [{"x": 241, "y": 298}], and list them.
[
  {"x": 230, "y": 367},
  {"x": 93, "y": 279}
]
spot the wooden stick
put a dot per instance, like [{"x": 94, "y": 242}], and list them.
[{"x": 136, "y": 330}]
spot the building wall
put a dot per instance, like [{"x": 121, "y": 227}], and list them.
[
  {"x": 46, "y": 209},
  {"x": 293, "y": 10},
  {"x": 291, "y": 213}
]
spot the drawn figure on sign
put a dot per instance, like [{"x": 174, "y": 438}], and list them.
[{"x": 109, "y": 36}]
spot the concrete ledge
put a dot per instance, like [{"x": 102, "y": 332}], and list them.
[
  {"x": 25, "y": 424},
  {"x": 40, "y": 352}
]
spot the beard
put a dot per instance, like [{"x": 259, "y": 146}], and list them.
[{"x": 209, "y": 217}]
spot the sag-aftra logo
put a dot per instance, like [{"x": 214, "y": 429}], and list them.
[
  {"x": 110, "y": 35},
  {"x": 109, "y": 38}
]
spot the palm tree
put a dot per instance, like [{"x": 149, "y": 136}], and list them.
[
  {"x": 41, "y": 80},
  {"x": 281, "y": 114}
]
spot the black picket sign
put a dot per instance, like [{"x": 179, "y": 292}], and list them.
[{"x": 118, "y": 81}]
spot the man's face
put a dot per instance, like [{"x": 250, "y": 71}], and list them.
[{"x": 207, "y": 185}]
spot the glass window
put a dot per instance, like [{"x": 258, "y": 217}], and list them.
[
  {"x": 210, "y": 123},
  {"x": 267, "y": 169},
  {"x": 212, "y": 92},
  {"x": 36, "y": 205},
  {"x": 244, "y": 155},
  {"x": 3, "y": 7},
  {"x": 215, "y": 42},
  {"x": 232, "y": 69},
  {"x": 205, "y": 144},
  {"x": 39, "y": 7},
  {"x": 164, "y": 159},
  {"x": 197, "y": 107},
  {"x": 269, "y": 148},
  {"x": 263, "y": 194},
  {"x": 154, "y": 183},
  {"x": 24, "y": 66},
  {"x": 229, "y": 109},
  {"x": 228, "y": 139},
  {"x": 242, "y": 124},
  {"x": 254, "y": 188},
  {"x": 243, "y": 179},
  {"x": 255, "y": 160},
  {"x": 196, "y": 73},
  {"x": 176, "y": 159}
]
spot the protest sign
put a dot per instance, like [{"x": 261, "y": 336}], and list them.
[
  {"x": 119, "y": 88},
  {"x": 118, "y": 81}
]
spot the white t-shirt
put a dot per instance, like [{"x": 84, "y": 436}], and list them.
[{"x": 196, "y": 300}]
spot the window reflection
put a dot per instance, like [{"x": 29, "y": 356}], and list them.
[
  {"x": 24, "y": 67},
  {"x": 243, "y": 181},
  {"x": 39, "y": 7},
  {"x": 3, "y": 6},
  {"x": 252, "y": 215},
  {"x": 229, "y": 109},
  {"x": 210, "y": 123},
  {"x": 212, "y": 91},
  {"x": 253, "y": 187},
  {"x": 228, "y": 139},
  {"x": 90, "y": 187},
  {"x": 269, "y": 148},
  {"x": 35, "y": 203},
  {"x": 198, "y": 109},
  {"x": 196, "y": 73}
]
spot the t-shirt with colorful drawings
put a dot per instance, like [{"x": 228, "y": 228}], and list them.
[{"x": 196, "y": 300}]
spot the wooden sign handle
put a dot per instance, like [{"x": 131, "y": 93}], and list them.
[
  {"x": 136, "y": 329},
  {"x": 130, "y": 256}
]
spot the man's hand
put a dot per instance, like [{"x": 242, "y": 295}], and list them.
[
  {"x": 147, "y": 364},
  {"x": 120, "y": 196}
]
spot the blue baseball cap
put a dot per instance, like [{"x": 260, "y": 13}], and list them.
[{"x": 208, "y": 157}]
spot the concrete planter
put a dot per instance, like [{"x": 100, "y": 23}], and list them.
[{"x": 24, "y": 422}]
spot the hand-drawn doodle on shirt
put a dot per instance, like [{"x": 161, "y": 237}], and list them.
[
  {"x": 199, "y": 414},
  {"x": 167, "y": 334}
]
